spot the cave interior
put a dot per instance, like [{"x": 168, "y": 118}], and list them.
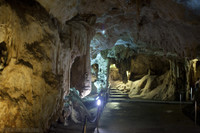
[{"x": 59, "y": 52}]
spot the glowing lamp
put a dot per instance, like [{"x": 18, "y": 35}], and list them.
[
  {"x": 98, "y": 102},
  {"x": 103, "y": 31}
]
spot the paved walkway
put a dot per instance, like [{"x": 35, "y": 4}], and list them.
[{"x": 123, "y": 117}]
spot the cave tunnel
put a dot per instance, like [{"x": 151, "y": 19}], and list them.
[{"x": 100, "y": 66}]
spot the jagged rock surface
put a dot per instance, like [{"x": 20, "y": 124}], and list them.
[
  {"x": 149, "y": 26},
  {"x": 152, "y": 77},
  {"x": 36, "y": 75}
]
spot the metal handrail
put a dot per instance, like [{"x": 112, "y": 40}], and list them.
[
  {"x": 85, "y": 125},
  {"x": 99, "y": 111}
]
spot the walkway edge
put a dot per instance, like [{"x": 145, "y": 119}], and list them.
[{"x": 148, "y": 101}]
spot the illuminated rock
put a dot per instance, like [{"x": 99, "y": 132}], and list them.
[{"x": 40, "y": 55}]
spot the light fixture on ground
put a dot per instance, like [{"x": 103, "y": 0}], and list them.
[
  {"x": 103, "y": 31},
  {"x": 98, "y": 101}
]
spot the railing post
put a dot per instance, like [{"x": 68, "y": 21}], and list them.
[
  {"x": 85, "y": 125},
  {"x": 191, "y": 93},
  {"x": 108, "y": 93},
  {"x": 98, "y": 113},
  {"x": 195, "y": 112}
]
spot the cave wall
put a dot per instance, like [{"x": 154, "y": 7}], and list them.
[
  {"x": 81, "y": 74},
  {"x": 63, "y": 10},
  {"x": 170, "y": 84},
  {"x": 154, "y": 77},
  {"x": 142, "y": 64},
  {"x": 194, "y": 72},
  {"x": 114, "y": 73},
  {"x": 162, "y": 27},
  {"x": 36, "y": 75},
  {"x": 103, "y": 72},
  {"x": 148, "y": 71}
]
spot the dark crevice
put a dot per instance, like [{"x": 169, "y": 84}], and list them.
[
  {"x": 25, "y": 63},
  {"x": 3, "y": 55},
  {"x": 37, "y": 51},
  {"x": 31, "y": 7}
]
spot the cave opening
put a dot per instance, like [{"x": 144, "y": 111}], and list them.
[
  {"x": 3, "y": 55},
  {"x": 145, "y": 76},
  {"x": 74, "y": 75}
]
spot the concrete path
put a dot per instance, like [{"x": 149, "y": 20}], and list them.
[{"x": 123, "y": 117}]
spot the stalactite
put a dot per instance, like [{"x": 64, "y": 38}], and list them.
[
  {"x": 103, "y": 65},
  {"x": 188, "y": 70},
  {"x": 138, "y": 18}
]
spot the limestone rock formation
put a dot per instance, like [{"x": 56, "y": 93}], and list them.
[
  {"x": 150, "y": 26},
  {"x": 114, "y": 73},
  {"x": 154, "y": 87},
  {"x": 102, "y": 72},
  {"x": 153, "y": 77},
  {"x": 149, "y": 36},
  {"x": 63, "y": 10},
  {"x": 141, "y": 65},
  {"x": 40, "y": 53}
]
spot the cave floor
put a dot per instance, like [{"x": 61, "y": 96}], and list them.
[
  {"x": 138, "y": 117},
  {"x": 123, "y": 117}
]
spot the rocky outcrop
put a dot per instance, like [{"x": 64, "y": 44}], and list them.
[
  {"x": 154, "y": 77},
  {"x": 150, "y": 26},
  {"x": 63, "y": 10},
  {"x": 160, "y": 30},
  {"x": 114, "y": 73},
  {"x": 154, "y": 87},
  {"x": 80, "y": 71},
  {"x": 36, "y": 68},
  {"x": 101, "y": 73},
  {"x": 141, "y": 65}
]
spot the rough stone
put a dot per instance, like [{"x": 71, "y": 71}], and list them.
[{"x": 41, "y": 52}]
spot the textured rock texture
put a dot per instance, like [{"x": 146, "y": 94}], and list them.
[
  {"x": 37, "y": 58},
  {"x": 141, "y": 29},
  {"x": 114, "y": 73},
  {"x": 161, "y": 27},
  {"x": 101, "y": 80},
  {"x": 154, "y": 87},
  {"x": 63, "y": 10},
  {"x": 154, "y": 77},
  {"x": 80, "y": 71},
  {"x": 141, "y": 65}
]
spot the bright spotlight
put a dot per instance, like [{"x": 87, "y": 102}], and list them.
[
  {"x": 103, "y": 31},
  {"x": 98, "y": 102}
]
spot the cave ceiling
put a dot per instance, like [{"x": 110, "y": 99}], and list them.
[{"x": 159, "y": 27}]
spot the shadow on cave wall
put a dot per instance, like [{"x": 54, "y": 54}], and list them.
[
  {"x": 32, "y": 7},
  {"x": 3, "y": 55}
]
